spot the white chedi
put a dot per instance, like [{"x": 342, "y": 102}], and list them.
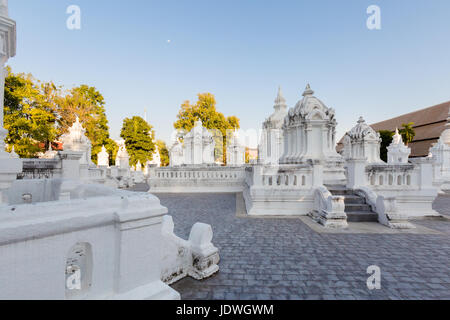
[
  {"x": 4, "y": 8},
  {"x": 76, "y": 140},
  {"x": 176, "y": 154},
  {"x": 122, "y": 157},
  {"x": 362, "y": 143},
  {"x": 310, "y": 131},
  {"x": 271, "y": 144},
  {"x": 103, "y": 158},
  {"x": 199, "y": 146},
  {"x": 441, "y": 149},
  {"x": 398, "y": 152},
  {"x": 156, "y": 158},
  {"x": 440, "y": 153},
  {"x": 235, "y": 149}
]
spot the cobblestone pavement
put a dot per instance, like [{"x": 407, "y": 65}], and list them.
[{"x": 284, "y": 259}]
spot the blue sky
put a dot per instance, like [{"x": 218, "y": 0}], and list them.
[{"x": 241, "y": 51}]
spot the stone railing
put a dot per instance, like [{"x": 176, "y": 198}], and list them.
[
  {"x": 393, "y": 176},
  {"x": 406, "y": 187},
  {"x": 386, "y": 208},
  {"x": 67, "y": 165},
  {"x": 40, "y": 169},
  {"x": 329, "y": 210},
  {"x": 280, "y": 177},
  {"x": 197, "y": 179},
  {"x": 281, "y": 190},
  {"x": 196, "y": 257}
]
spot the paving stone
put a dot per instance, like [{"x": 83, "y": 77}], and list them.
[{"x": 281, "y": 259}]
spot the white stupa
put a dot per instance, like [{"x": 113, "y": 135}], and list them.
[
  {"x": 398, "y": 152},
  {"x": 103, "y": 158}
]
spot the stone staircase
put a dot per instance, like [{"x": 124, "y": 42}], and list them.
[{"x": 356, "y": 208}]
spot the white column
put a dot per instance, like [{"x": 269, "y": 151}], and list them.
[
  {"x": 325, "y": 141},
  {"x": 286, "y": 145},
  {"x": 356, "y": 173},
  {"x": 309, "y": 141},
  {"x": 290, "y": 146},
  {"x": 294, "y": 144}
]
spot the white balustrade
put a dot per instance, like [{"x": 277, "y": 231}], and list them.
[{"x": 393, "y": 177}]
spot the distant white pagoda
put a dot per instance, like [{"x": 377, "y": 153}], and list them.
[{"x": 271, "y": 145}]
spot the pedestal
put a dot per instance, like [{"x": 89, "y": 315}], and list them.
[
  {"x": 356, "y": 173},
  {"x": 70, "y": 164},
  {"x": 9, "y": 168}
]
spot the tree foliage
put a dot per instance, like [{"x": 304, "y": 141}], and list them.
[
  {"x": 88, "y": 105},
  {"x": 29, "y": 114},
  {"x": 163, "y": 153},
  {"x": 37, "y": 113},
  {"x": 139, "y": 137},
  {"x": 407, "y": 132},
  {"x": 386, "y": 140},
  {"x": 205, "y": 110}
]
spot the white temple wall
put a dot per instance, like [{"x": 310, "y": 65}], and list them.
[
  {"x": 46, "y": 280},
  {"x": 411, "y": 185},
  {"x": 287, "y": 190},
  {"x": 125, "y": 244}
]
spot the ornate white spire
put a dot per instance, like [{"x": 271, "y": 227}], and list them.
[
  {"x": 4, "y": 8},
  {"x": 280, "y": 101},
  {"x": 362, "y": 142},
  {"x": 308, "y": 91},
  {"x": 398, "y": 152},
  {"x": 362, "y": 131}
]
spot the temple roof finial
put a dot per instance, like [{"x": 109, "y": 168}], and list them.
[
  {"x": 308, "y": 91},
  {"x": 280, "y": 101},
  {"x": 4, "y": 8}
]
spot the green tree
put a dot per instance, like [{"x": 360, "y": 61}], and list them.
[
  {"x": 205, "y": 110},
  {"x": 163, "y": 153},
  {"x": 386, "y": 140},
  {"x": 89, "y": 105},
  {"x": 407, "y": 132},
  {"x": 139, "y": 137},
  {"x": 29, "y": 114}
]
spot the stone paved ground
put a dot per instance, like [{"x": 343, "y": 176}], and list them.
[{"x": 284, "y": 259}]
